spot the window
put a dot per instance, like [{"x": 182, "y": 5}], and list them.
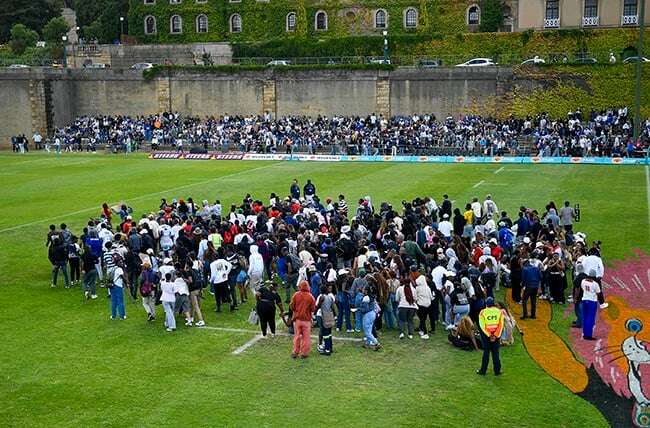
[
  {"x": 591, "y": 8},
  {"x": 320, "y": 22},
  {"x": 176, "y": 25},
  {"x": 381, "y": 20},
  {"x": 473, "y": 15},
  {"x": 201, "y": 24},
  {"x": 235, "y": 23},
  {"x": 410, "y": 18},
  {"x": 629, "y": 7},
  {"x": 150, "y": 25},
  {"x": 552, "y": 9},
  {"x": 291, "y": 22}
]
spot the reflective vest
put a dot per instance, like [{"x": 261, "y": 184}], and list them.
[{"x": 491, "y": 321}]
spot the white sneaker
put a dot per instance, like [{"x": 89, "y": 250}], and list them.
[
  {"x": 410, "y": 336},
  {"x": 401, "y": 335},
  {"x": 338, "y": 329},
  {"x": 349, "y": 331},
  {"x": 421, "y": 333},
  {"x": 86, "y": 294},
  {"x": 200, "y": 323},
  {"x": 604, "y": 305},
  {"x": 425, "y": 336},
  {"x": 188, "y": 323},
  {"x": 449, "y": 327},
  {"x": 94, "y": 296},
  {"x": 53, "y": 285},
  {"x": 168, "y": 329}
]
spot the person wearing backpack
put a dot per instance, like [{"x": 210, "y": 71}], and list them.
[
  {"x": 326, "y": 309},
  {"x": 89, "y": 266},
  {"x": 148, "y": 282},
  {"x": 460, "y": 303},
  {"x": 74, "y": 255}
]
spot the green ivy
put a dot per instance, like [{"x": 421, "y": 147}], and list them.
[{"x": 265, "y": 20}]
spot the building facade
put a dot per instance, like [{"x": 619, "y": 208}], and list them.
[
  {"x": 567, "y": 14},
  {"x": 182, "y": 21}
]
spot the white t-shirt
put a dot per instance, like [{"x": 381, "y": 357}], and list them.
[
  {"x": 118, "y": 277},
  {"x": 445, "y": 228},
  {"x": 180, "y": 287},
  {"x": 590, "y": 290},
  {"x": 436, "y": 275}
]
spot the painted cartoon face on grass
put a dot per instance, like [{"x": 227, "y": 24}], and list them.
[{"x": 621, "y": 355}]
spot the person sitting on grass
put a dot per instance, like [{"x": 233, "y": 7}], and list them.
[{"x": 464, "y": 336}]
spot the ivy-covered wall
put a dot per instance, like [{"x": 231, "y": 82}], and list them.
[{"x": 263, "y": 20}]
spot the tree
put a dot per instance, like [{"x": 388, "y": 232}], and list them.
[
  {"x": 31, "y": 13},
  {"x": 22, "y": 38},
  {"x": 491, "y": 15},
  {"x": 55, "y": 30},
  {"x": 100, "y": 19}
]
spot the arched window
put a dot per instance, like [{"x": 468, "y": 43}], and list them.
[
  {"x": 150, "y": 25},
  {"x": 473, "y": 15},
  {"x": 381, "y": 19},
  {"x": 410, "y": 18},
  {"x": 176, "y": 24},
  {"x": 235, "y": 23},
  {"x": 320, "y": 22},
  {"x": 291, "y": 22},
  {"x": 201, "y": 24}
]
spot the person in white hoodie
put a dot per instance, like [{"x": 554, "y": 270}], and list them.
[
  {"x": 255, "y": 268},
  {"x": 168, "y": 299},
  {"x": 423, "y": 298},
  {"x": 219, "y": 270}
]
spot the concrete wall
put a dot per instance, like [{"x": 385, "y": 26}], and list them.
[
  {"x": 15, "y": 108},
  {"x": 46, "y": 99}
]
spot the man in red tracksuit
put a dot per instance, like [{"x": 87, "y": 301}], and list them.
[{"x": 302, "y": 306}]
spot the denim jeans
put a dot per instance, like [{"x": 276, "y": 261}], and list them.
[
  {"x": 55, "y": 273},
  {"x": 368, "y": 322},
  {"x": 170, "y": 321},
  {"x": 358, "y": 320},
  {"x": 389, "y": 315},
  {"x": 90, "y": 281},
  {"x": 117, "y": 302},
  {"x": 577, "y": 309},
  {"x": 343, "y": 304},
  {"x": 459, "y": 312}
]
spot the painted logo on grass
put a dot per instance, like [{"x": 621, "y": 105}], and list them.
[{"x": 621, "y": 354}]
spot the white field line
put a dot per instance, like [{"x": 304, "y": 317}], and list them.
[
  {"x": 247, "y": 345},
  {"x": 499, "y": 170},
  {"x": 478, "y": 184},
  {"x": 96, "y": 208},
  {"x": 278, "y": 333}
]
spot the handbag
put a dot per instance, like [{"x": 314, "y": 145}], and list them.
[{"x": 253, "y": 318}]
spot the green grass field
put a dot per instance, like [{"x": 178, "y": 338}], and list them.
[{"x": 63, "y": 363}]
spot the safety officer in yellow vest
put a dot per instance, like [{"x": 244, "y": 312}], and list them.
[{"x": 491, "y": 323}]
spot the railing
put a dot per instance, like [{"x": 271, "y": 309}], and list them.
[
  {"x": 629, "y": 19},
  {"x": 552, "y": 23},
  {"x": 590, "y": 21}
]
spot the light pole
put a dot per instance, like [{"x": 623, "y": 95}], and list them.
[
  {"x": 386, "y": 52},
  {"x": 639, "y": 67},
  {"x": 121, "y": 27},
  {"x": 64, "y": 38}
]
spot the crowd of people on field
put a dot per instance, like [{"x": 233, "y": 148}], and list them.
[
  {"x": 606, "y": 133},
  {"x": 346, "y": 267}
]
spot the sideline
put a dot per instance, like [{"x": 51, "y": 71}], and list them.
[
  {"x": 173, "y": 189},
  {"x": 647, "y": 188},
  {"x": 499, "y": 170},
  {"x": 478, "y": 184},
  {"x": 248, "y": 344}
]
